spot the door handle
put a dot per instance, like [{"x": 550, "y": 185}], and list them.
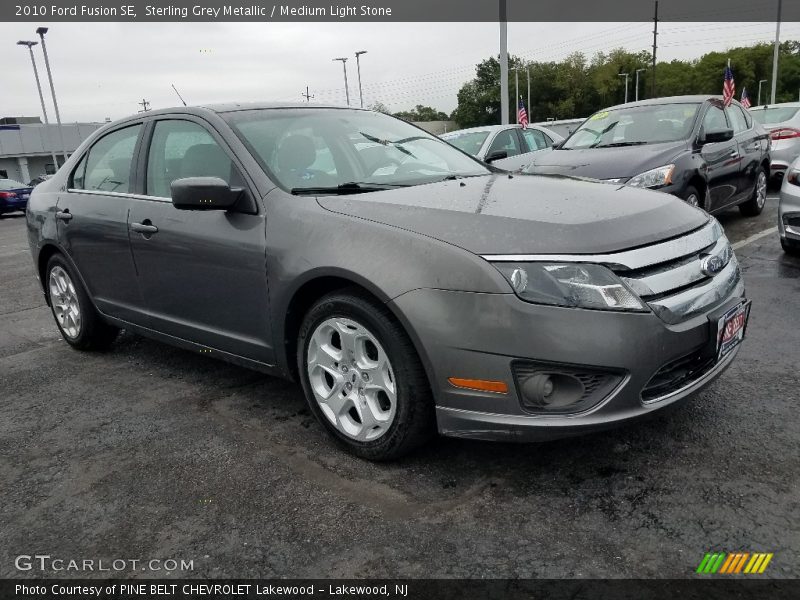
[
  {"x": 63, "y": 215},
  {"x": 145, "y": 227}
]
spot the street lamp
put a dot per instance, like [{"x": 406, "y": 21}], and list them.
[
  {"x": 41, "y": 31},
  {"x": 758, "y": 103},
  {"x": 346, "y": 90},
  {"x": 637, "y": 82},
  {"x": 30, "y": 46},
  {"x": 625, "y": 75},
  {"x": 358, "y": 67}
]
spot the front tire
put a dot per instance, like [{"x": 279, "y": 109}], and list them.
[
  {"x": 362, "y": 377},
  {"x": 78, "y": 321},
  {"x": 754, "y": 206},
  {"x": 692, "y": 197}
]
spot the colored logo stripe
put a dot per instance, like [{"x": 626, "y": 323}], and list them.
[{"x": 734, "y": 562}]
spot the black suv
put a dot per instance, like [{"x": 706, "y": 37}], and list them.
[{"x": 694, "y": 147}]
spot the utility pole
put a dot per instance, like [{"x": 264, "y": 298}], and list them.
[
  {"x": 503, "y": 64},
  {"x": 30, "y": 46},
  {"x": 637, "y": 82},
  {"x": 358, "y": 67},
  {"x": 307, "y": 96},
  {"x": 144, "y": 104},
  {"x": 528, "y": 109},
  {"x": 625, "y": 75},
  {"x": 516, "y": 91},
  {"x": 346, "y": 89},
  {"x": 655, "y": 48},
  {"x": 776, "y": 52},
  {"x": 41, "y": 31}
]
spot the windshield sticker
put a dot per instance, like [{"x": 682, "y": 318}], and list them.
[{"x": 598, "y": 116}]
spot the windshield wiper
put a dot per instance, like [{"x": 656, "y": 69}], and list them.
[
  {"x": 397, "y": 144},
  {"x": 619, "y": 144},
  {"x": 351, "y": 187}
]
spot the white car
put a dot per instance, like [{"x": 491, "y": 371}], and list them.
[{"x": 508, "y": 147}]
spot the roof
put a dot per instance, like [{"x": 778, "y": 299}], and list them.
[
  {"x": 490, "y": 128},
  {"x": 668, "y": 100},
  {"x": 776, "y": 105}
]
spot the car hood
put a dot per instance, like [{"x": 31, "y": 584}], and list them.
[
  {"x": 606, "y": 163},
  {"x": 527, "y": 214}
]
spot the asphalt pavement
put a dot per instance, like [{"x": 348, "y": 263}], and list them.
[{"x": 149, "y": 452}]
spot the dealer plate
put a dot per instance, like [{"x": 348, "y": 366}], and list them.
[{"x": 731, "y": 328}]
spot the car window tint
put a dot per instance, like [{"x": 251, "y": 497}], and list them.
[
  {"x": 737, "y": 119},
  {"x": 78, "y": 174},
  {"x": 182, "y": 149},
  {"x": 714, "y": 119},
  {"x": 505, "y": 141},
  {"x": 535, "y": 139},
  {"x": 108, "y": 166}
]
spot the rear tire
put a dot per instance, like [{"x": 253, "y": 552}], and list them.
[
  {"x": 77, "y": 319},
  {"x": 362, "y": 377},
  {"x": 754, "y": 206}
]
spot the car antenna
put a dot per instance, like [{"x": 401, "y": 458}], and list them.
[{"x": 179, "y": 94}]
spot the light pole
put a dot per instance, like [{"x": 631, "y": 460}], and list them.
[
  {"x": 759, "y": 90},
  {"x": 637, "y": 82},
  {"x": 503, "y": 64},
  {"x": 346, "y": 90},
  {"x": 358, "y": 68},
  {"x": 41, "y": 31},
  {"x": 528, "y": 71},
  {"x": 30, "y": 46},
  {"x": 775, "y": 53},
  {"x": 516, "y": 90},
  {"x": 625, "y": 75}
]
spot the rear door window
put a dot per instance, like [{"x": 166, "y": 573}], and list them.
[
  {"x": 110, "y": 161},
  {"x": 535, "y": 139}
]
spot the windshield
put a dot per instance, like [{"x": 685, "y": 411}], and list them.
[
  {"x": 10, "y": 184},
  {"x": 633, "y": 126},
  {"x": 768, "y": 116},
  {"x": 470, "y": 143},
  {"x": 319, "y": 150}
]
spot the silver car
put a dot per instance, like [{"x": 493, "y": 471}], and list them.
[
  {"x": 782, "y": 121},
  {"x": 508, "y": 147},
  {"x": 789, "y": 210}
]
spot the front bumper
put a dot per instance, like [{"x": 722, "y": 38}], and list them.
[
  {"x": 478, "y": 336},
  {"x": 789, "y": 212}
]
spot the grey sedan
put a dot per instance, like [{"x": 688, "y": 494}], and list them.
[
  {"x": 508, "y": 147},
  {"x": 782, "y": 121},
  {"x": 789, "y": 210},
  {"x": 405, "y": 285}
]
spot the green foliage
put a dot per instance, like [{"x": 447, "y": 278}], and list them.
[
  {"x": 577, "y": 87},
  {"x": 422, "y": 113}
]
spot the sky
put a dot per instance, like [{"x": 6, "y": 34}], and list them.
[{"x": 103, "y": 70}]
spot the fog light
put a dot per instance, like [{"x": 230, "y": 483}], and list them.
[{"x": 562, "y": 389}]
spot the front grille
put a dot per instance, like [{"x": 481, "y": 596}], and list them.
[{"x": 678, "y": 374}]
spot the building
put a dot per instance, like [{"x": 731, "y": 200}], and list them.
[{"x": 27, "y": 146}]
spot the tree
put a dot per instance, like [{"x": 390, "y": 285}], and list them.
[
  {"x": 422, "y": 113},
  {"x": 379, "y": 107}
]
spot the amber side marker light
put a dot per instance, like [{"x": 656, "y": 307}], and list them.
[{"x": 480, "y": 385}]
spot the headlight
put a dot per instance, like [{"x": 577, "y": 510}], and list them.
[
  {"x": 653, "y": 178},
  {"x": 571, "y": 285}
]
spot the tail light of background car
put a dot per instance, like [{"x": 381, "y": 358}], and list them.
[
  {"x": 784, "y": 133},
  {"x": 7, "y": 195}
]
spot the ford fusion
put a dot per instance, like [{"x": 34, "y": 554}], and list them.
[{"x": 408, "y": 287}]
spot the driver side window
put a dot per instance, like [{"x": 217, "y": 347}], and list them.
[
  {"x": 506, "y": 141},
  {"x": 714, "y": 119}
]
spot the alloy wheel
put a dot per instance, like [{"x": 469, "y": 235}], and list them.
[
  {"x": 693, "y": 200},
  {"x": 761, "y": 189},
  {"x": 352, "y": 379},
  {"x": 64, "y": 300}
]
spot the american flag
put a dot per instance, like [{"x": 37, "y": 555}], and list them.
[
  {"x": 745, "y": 98},
  {"x": 522, "y": 114},
  {"x": 729, "y": 87}
]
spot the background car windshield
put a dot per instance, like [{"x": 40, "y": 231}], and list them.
[
  {"x": 310, "y": 148},
  {"x": 765, "y": 116},
  {"x": 470, "y": 143},
  {"x": 10, "y": 184},
  {"x": 635, "y": 125}
]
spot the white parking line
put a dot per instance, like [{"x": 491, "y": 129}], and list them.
[{"x": 754, "y": 237}]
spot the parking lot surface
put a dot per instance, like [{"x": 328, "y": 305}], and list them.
[{"x": 149, "y": 452}]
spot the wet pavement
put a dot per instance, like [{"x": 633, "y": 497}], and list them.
[{"x": 149, "y": 452}]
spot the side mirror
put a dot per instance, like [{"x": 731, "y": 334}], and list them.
[
  {"x": 715, "y": 136},
  {"x": 496, "y": 155},
  {"x": 203, "y": 193}
]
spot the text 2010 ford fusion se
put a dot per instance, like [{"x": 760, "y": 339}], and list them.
[{"x": 407, "y": 286}]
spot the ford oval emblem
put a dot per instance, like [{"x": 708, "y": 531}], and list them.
[{"x": 711, "y": 265}]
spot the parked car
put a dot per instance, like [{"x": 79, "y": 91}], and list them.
[
  {"x": 690, "y": 146},
  {"x": 782, "y": 122},
  {"x": 38, "y": 179},
  {"x": 13, "y": 196},
  {"x": 789, "y": 210},
  {"x": 406, "y": 285},
  {"x": 508, "y": 147}
]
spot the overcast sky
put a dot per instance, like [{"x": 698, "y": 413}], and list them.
[{"x": 103, "y": 69}]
